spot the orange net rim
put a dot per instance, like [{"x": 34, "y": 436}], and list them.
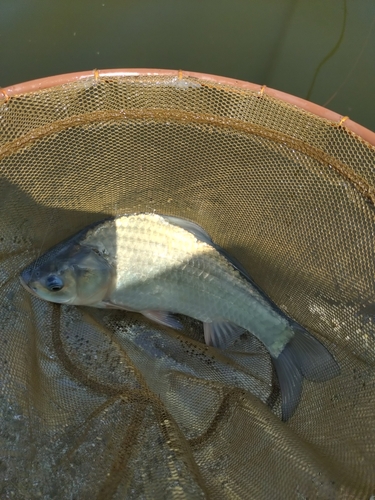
[{"x": 320, "y": 111}]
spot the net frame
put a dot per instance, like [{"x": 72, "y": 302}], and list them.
[{"x": 52, "y": 81}]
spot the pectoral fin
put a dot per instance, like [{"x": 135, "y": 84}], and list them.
[
  {"x": 221, "y": 333},
  {"x": 106, "y": 304},
  {"x": 163, "y": 318}
]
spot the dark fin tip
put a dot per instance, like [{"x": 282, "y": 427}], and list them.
[
  {"x": 290, "y": 381},
  {"x": 303, "y": 356},
  {"x": 313, "y": 358}
]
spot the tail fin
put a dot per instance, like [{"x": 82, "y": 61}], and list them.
[{"x": 303, "y": 356}]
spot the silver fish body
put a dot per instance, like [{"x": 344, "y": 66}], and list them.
[{"x": 160, "y": 265}]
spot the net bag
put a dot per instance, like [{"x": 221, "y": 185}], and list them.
[{"x": 105, "y": 404}]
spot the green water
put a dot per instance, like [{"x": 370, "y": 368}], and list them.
[{"x": 320, "y": 49}]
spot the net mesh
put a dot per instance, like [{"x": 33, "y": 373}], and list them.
[{"x": 104, "y": 404}]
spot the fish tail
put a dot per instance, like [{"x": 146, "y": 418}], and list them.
[{"x": 303, "y": 357}]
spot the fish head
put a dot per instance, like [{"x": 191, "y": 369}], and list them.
[{"x": 75, "y": 274}]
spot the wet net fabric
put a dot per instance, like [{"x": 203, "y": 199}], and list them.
[{"x": 105, "y": 404}]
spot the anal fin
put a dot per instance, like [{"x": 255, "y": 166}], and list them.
[{"x": 221, "y": 333}]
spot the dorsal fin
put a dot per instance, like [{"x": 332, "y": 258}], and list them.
[
  {"x": 191, "y": 227},
  {"x": 202, "y": 235}
]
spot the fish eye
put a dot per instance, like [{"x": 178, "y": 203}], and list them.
[{"x": 54, "y": 283}]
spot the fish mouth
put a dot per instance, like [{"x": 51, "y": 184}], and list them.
[{"x": 27, "y": 287}]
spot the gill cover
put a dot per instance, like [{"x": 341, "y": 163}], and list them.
[{"x": 93, "y": 274}]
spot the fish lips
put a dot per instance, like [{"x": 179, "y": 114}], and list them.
[{"x": 25, "y": 282}]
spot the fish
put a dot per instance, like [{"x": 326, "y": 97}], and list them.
[{"x": 162, "y": 265}]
